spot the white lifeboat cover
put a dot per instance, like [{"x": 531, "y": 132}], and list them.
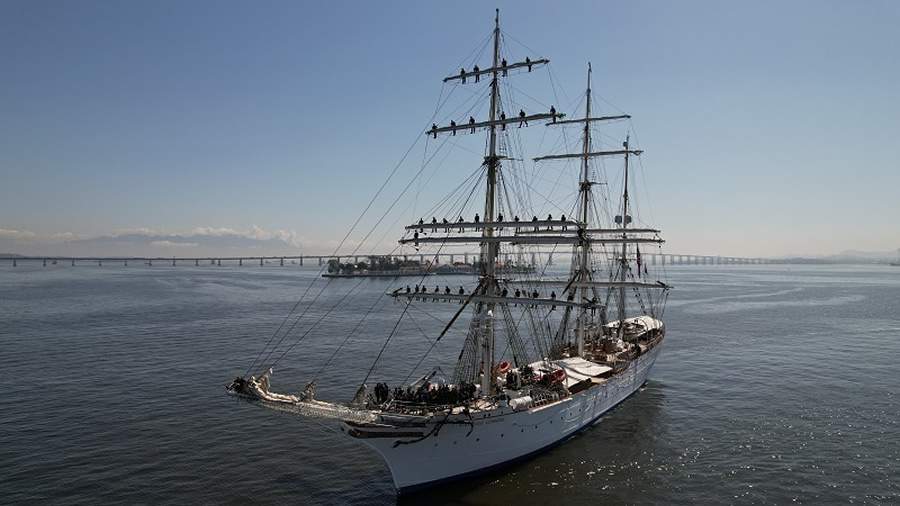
[{"x": 579, "y": 367}]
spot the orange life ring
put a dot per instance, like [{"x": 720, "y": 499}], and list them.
[{"x": 504, "y": 367}]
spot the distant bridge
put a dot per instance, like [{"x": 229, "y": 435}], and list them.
[{"x": 648, "y": 258}]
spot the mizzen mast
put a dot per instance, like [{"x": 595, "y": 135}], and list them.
[{"x": 623, "y": 266}]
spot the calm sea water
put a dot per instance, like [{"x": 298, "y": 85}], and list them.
[{"x": 777, "y": 384}]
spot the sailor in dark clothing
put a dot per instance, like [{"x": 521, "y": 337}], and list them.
[
  {"x": 416, "y": 238},
  {"x": 437, "y": 289},
  {"x": 477, "y": 75},
  {"x": 461, "y": 291},
  {"x": 503, "y": 118},
  {"x": 518, "y": 293},
  {"x": 516, "y": 219},
  {"x": 417, "y": 288},
  {"x": 477, "y": 218},
  {"x": 553, "y": 294},
  {"x": 522, "y": 120},
  {"x": 472, "y": 123},
  {"x": 433, "y": 222},
  {"x": 453, "y": 126},
  {"x": 534, "y": 220},
  {"x": 528, "y": 62},
  {"x": 462, "y": 74},
  {"x": 503, "y": 64},
  {"x": 434, "y": 130},
  {"x": 563, "y": 219},
  {"x": 447, "y": 290},
  {"x": 505, "y": 292},
  {"x": 534, "y": 294},
  {"x": 408, "y": 289},
  {"x": 461, "y": 228},
  {"x": 553, "y": 113}
]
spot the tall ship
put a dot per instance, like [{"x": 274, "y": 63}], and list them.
[{"x": 542, "y": 356}]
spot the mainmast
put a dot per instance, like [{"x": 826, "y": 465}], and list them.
[
  {"x": 585, "y": 189},
  {"x": 489, "y": 249}
]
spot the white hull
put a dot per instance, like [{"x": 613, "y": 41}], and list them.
[{"x": 468, "y": 446}]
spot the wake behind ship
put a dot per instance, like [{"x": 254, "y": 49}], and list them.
[{"x": 543, "y": 357}]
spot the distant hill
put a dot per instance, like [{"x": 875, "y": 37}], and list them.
[{"x": 10, "y": 255}]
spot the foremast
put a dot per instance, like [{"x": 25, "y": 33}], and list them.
[
  {"x": 489, "y": 249},
  {"x": 487, "y": 295}
]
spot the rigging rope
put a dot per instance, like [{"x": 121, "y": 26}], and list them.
[{"x": 341, "y": 243}]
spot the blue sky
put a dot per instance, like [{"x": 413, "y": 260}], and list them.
[{"x": 770, "y": 128}]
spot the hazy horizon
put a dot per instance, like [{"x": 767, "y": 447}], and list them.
[{"x": 209, "y": 128}]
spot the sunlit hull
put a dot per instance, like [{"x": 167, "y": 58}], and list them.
[{"x": 462, "y": 446}]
